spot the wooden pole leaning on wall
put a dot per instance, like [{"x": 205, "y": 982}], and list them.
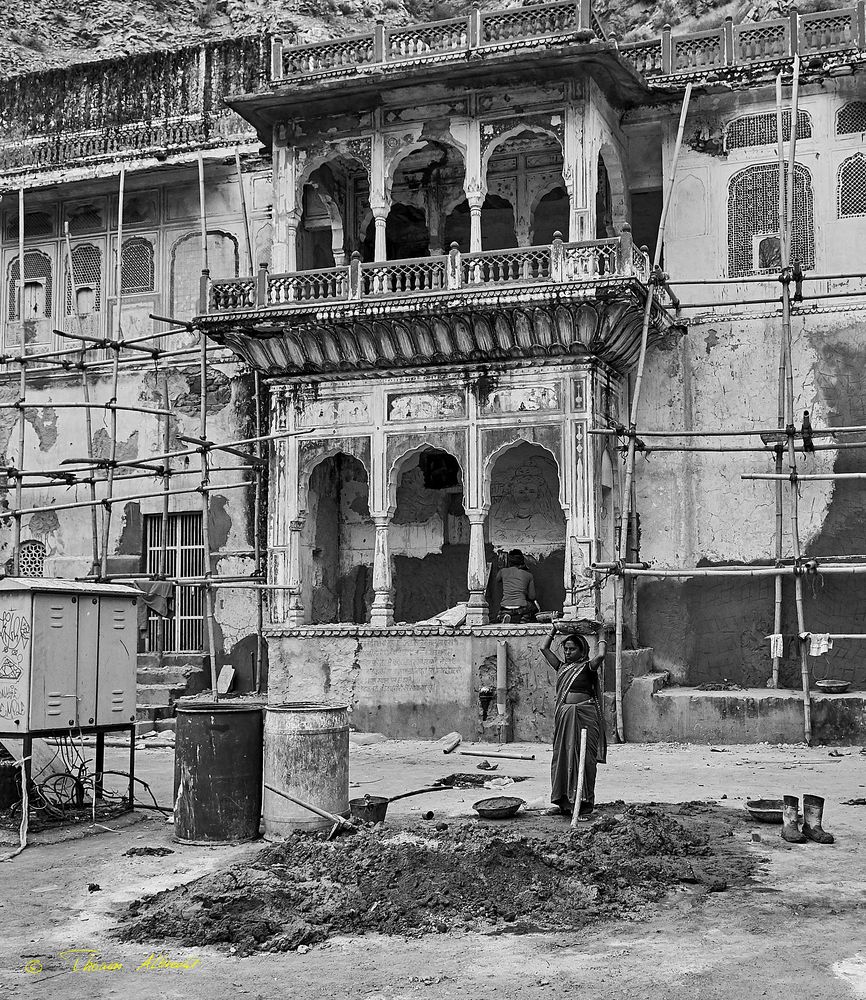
[
  {"x": 115, "y": 377},
  {"x": 22, "y": 392},
  {"x": 166, "y": 490},
  {"x": 789, "y": 401},
  {"x": 85, "y": 390},
  {"x": 619, "y": 584},
  {"x": 257, "y": 537}
]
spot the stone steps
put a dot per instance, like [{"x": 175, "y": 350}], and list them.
[{"x": 162, "y": 680}]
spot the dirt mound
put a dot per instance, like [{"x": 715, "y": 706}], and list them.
[
  {"x": 472, "y": 780},
  {"x": 420, "y": 880}
]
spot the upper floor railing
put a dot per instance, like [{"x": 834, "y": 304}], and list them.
[
  {"x": 591, "y": 262},
  {"x": 478, "y": 30},
  {"x": 751, "y": 42}
]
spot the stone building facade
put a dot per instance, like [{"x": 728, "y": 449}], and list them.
[{"x": 451, "y": 228}]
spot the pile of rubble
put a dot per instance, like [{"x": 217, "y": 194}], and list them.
[{"x": 536, "y": 874}]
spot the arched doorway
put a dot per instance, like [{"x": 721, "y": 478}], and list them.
[
  {"x": 549, "y": 216},
  {"x": 337, "y": 543},
  {"x": 525, "y": 513},
  {"x": 330, "y": 195},
  {"x": 429, "y": 537},
  {"x": 603, "y": 203}
]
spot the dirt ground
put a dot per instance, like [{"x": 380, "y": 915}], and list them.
[{"x": 792, "y": 923}]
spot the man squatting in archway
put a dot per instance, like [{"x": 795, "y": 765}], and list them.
[{"x": 578, "y": 707}]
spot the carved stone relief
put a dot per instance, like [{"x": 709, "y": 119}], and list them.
[
  {"x": 523, "y": 399},
  {"x": 426, "y": 406},
  {"x": 525, "y": 511},
  {"x": 347, "y": 411}
]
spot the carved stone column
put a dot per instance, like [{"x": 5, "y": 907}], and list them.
[
  {"x": 286, "y": 211},
  {"x": 295, "y": 614},
  {"x": 476, "y": 202},
  {"x": 382, "y": 612},
  {"x": 477, "y": 611},
  {"x": 380, "y": 219}
]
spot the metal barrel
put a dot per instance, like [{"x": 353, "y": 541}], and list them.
[
  {"x": 217, "y": 772},
  {"x": 306, "y": 755}
]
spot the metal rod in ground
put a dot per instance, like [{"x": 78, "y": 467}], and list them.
[
  {"x": 85, "y": 390},
  {"x": 494, "y": 755},
  {"x": 619, "y": 584},
  {"x": 115, "y": 376},
  {"x": 22, "y": 390},
  {"x": 581, "y": 777}
]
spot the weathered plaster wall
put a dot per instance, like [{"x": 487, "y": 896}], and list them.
[{"x": 408, "y": 683}]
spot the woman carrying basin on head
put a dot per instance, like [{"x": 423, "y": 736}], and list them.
[{"x": 578, "y": 708}]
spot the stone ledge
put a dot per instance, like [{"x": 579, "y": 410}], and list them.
[{"x": 369, "y": 631}]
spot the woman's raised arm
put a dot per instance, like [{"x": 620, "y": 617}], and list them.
[{"x": 548, "y": 653}]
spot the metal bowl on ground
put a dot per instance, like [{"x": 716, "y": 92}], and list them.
[
  {"x": 832, "y": 686},
  {"x": 369, "y": 809},
  {"x": 498, "y": 807},
  {"x": 767, "y": 810}
]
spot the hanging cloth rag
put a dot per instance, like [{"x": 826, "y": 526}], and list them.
[
  {"x": 156, "y": 595},
  {"x": 777, "y": 645},
  {"x": 820, "y": 643}
]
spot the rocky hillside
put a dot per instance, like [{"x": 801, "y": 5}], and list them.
[{"x": 37, "y": 34}]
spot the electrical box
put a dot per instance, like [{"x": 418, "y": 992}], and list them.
[{"x": 67, "y": 655}]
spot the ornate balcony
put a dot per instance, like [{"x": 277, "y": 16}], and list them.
[{"x": 567, "y": 299}]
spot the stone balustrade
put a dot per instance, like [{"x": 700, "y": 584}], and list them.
[{"x": 591, "y": 262}]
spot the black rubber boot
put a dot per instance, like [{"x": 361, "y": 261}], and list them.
[
  {"x": 790, "y": 830},
  {"x": 813, "y": 815}
]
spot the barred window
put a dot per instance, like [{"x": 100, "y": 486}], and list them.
[
  {"x": 37, "y": 286},
  {"x": 87, "y": 271},
  {"x": 136, "y": 266},
  {"x": 852, "y": 186},
  {"x": 760, "y": 130},
  {"x": 851, "y": 119},
  {"x": 753, "y": 220},
  {"x": 36, "y": 225}
]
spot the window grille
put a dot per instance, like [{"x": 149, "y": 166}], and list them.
[
  {"x": 36, "y": 225},
  {"x": 184, "y": 557},
  {"x": 760, "y": 130},
  {"x": 87, "y": 271},
  {"x": 222, "y": 249},
  {"x": 139, "y": 210},
  {"x": 851, "y": 118},
  {"x": 852, "y": 186},
  {"x": 37, "y": 274},
  {"x": 31, "y": 558},
  {"x": 85, "y": 219},
  {"x": 136, "y": 266},
  {"x": 753, "y": 215}
]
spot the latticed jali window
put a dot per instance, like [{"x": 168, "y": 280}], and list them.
[
  {"x": 37, "y": 286},
  {"x": 36, "y": 225},
  {"x": 760, "y": 130},
  {"x": 851, "y": 118},
  {"x": 136, "y": 266},
  {"x": 852, "y": 186},
  {"x": 31, "y": 558},
  {"x": 753, "y": 220},
  {"x": 87, "y": 272}
]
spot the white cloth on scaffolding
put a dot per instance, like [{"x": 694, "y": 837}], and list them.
[
  {"x": 777, "y": 646},
  {"x": 820, "y": 643}
]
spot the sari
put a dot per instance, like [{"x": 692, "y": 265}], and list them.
[{"x": 569, "y": 721}]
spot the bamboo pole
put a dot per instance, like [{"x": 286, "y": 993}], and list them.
[
  {"x": 85, "y": 389},
  {"x": 22, "y": 391},
  {"x": 780, "y": 432},
  {"x": 619, "y": 584},
  {"x": 257, "y": 539},
  {"x": 163, "y": 538},
  {"x": 109, "y": 501},
  {"x": 244, "y": 214},
  {"x": 115, "y": 376}
]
